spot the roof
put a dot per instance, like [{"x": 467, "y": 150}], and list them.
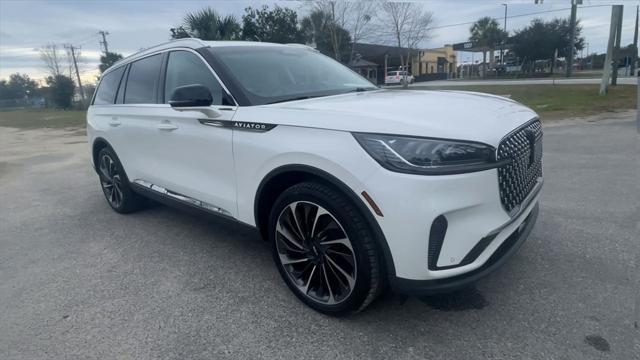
[
  {"x": 376, "y": 53},
  {"x": 362, "y": 63},
  {"x": 195, "y": 43}
]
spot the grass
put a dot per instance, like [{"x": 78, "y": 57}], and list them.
[
  {"x": 552, "y": 102},
  {"x": 43, "y": 118},
  {"x": 555, "y": 102}
]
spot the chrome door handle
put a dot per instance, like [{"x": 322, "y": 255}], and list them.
[
  {"x": 166, "y": 126},
  {"x": 114, "y": 122}
]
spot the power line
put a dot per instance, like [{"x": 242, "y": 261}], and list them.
[{"x": 516, "y": 16}]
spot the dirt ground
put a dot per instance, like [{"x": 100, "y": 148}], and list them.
[{"x": 79, "y": 281}]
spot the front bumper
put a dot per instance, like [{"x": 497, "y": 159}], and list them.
[{"x": 499, "y": 257}]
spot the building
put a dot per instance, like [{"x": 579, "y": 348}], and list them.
[
  {"x": 379, "y": 56},
  {"x": 373, "y": 61},
  {"x": 440, "y": 61}
]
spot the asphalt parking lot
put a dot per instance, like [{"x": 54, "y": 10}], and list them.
[{"x": 78, "y": 281}]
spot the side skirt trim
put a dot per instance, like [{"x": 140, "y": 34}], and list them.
[{"x": 181, "y": 198}]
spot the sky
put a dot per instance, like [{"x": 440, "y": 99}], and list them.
[{"x": 26, "y": 25}]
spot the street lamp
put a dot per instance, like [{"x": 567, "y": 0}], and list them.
[{"x": 505, "y": 31}]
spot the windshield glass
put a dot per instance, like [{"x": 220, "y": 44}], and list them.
[{"x": 270, "y": 74}]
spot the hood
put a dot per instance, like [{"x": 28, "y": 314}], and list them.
[{"x": 440, "y": 114}]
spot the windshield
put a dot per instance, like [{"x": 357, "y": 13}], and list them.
[{"x": 271, "y": 74}]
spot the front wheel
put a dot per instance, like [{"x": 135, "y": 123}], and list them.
[{"x": 324, "y": 249}]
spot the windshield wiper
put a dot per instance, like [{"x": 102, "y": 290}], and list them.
[
  {"x": 362, "y": 89},
  {"x": 292, "y": 99}
]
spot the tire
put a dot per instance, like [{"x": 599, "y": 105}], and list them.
[
  {"x": 335, "y": 267},
  {"x": 115, "y": 184}
]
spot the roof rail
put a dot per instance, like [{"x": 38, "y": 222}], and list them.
[
  {"x": 186, "y": 42},
  {"x": 303, "y": 46}
]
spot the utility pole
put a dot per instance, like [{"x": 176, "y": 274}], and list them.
[
  {"x": 506, "y": 34},
  {"x": 634, "y": 56},
  {"x": 104, "y": 40},
  {"x": 616, "y": 16},
  {"x": 72, "y": 50},
  {"x": 616, "y": 50},
  {"x": 572, "y": 31}
]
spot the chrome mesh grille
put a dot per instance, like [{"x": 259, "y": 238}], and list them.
[{"x": 518, "y": 178}]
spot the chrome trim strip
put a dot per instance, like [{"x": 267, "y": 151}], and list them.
[
  {"x": 239, "y": 125},
  {"x": 180, "y": 197}
]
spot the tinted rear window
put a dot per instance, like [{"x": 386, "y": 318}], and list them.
[
  {"x": 106, "y": 92},
  {"x": 142, "y": 82}
]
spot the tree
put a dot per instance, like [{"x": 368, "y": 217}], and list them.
[
  {"x": 354, "y": 17},
  {"x": 207, "y": 24},
  {"x": 318, "y": 29},
  {"x": 541, "y": 39},
  {"x": 279, "y": 25},
  {"x": 108, "y": 59},
  {"x": 487, "y": 34},
  {"x": 89, "y": 89},
  {"x": 53, "y": 59},
  {"x": 407, "y": 25},
  {"x": 18, "y": 87},
  {"x": 61, "y": 90},
  {"x": 360, "y": 18}
]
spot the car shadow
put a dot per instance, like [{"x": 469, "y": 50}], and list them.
[{"x": 247, "y": 239}]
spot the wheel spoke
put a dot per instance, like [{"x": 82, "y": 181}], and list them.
[
  {"x": 112, "y": 196},
  {"x": 320, "y": 211},
  {"x": 337, "y": 277},
  {"x": 289, "y": 236},
  {"x": 292, "y": 207},
  {"x": 118, "y": 195},
  {"x": 305, "y": 288},
  {"x": 350, "y": 278},
  {"x": 343, "y": 241},
  {"x": 111, "y": 168},
  {"x": 286, "y": 260},
  {"x": 103, "y": 168},
  {"x": 328, "y": 284}
]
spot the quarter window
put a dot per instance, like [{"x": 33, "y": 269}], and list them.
[
  {"x": 108, "y": 86},
  {"x": 142, "y": 82},
  {"x": 185, "y": 68}
]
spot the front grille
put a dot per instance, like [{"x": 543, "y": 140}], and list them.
[{"x": 518, "y": 178}]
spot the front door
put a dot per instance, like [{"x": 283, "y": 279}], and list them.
[{"x": 193, "y": 158}]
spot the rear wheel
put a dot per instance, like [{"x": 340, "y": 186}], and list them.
[
  {"x": 115, "y": 184},
  {"x": 324, "y": 250}
]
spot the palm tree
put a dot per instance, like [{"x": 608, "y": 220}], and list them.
[
  {"x": 486, "y": 33},
  {"x": 207, "y": 24}
]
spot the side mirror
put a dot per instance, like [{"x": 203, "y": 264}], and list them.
[
  {"x": 191, "y": 96},
  {"x": 194, "y": 97}
]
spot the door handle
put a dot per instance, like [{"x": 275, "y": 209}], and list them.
[
  {"x": 166, "y": 126},
  {"x": 114, "y": 122}
]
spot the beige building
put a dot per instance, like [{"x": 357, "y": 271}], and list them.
[{"x": 435, "y": 61}]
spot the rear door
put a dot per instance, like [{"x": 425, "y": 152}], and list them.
[
  {"x": 135, "y": 114},
  {"x": 102, "y": 115},
  {"x": 191, "y": 158}
]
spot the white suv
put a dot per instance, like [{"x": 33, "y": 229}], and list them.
[
  {"x": 398, "y": 77},
  {"x": 355, "y": 187}
]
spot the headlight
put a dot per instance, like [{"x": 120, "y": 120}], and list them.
[{"x": 414, "y": 155}]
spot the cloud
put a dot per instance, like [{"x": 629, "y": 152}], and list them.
[{"x": 136, "y": 24}]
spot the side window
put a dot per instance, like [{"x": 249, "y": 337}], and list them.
[
  {"x": 185, "y": 68},
  {"x": 142, "y": 81},
  {"x": 123, "y": 84},
  {"x": 106, "y": 92}
]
